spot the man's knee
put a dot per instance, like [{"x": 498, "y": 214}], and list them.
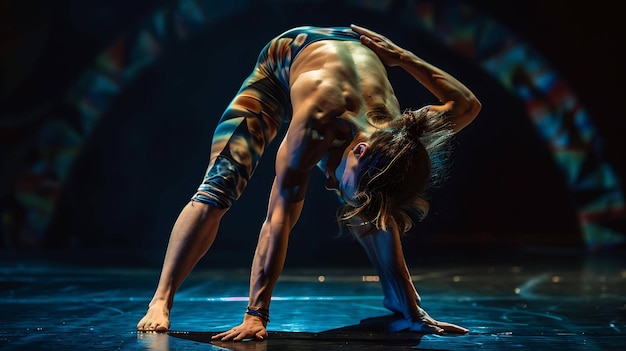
[{"x": 222, "y": 185}]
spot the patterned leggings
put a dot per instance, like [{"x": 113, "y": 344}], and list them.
[{"x": 254, "y": 116}]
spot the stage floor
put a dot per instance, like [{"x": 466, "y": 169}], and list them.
[{"x": 526, "y": 302}]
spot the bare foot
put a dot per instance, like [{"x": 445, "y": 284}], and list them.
[{"x": 156, "y": 319}]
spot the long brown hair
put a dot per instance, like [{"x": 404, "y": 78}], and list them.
[{"x": 401, "y": 161}]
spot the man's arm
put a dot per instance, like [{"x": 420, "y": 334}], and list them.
[
  {"x": 284, "y": 208},
  {"x": 458, "y": 102},
  {"x": 297, "y": 155},
  {"x": 384, "y": 250}
]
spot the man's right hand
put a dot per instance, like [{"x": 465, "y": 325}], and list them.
[{"x": 251, "y": 328}]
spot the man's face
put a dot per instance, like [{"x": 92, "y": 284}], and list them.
[{"x": 347, "y": 173}]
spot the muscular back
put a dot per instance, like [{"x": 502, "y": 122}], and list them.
[{"x": 338, "y": 89}]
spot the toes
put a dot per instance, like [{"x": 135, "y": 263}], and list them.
[{"x": 153, "y": 327}]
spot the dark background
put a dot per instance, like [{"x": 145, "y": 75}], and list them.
[{"x": 148, "y": 153}]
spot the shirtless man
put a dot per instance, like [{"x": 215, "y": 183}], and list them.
[{"x": 331, "y": 86}]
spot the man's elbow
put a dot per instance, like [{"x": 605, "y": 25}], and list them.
[
  {"x": 470, "y": 110},
  {"x": 474, "y": 110}
]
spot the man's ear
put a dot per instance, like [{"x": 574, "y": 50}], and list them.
[{"x": 360, "y": 149}]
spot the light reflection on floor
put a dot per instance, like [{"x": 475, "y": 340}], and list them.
[{"x": 567, "y": 303}]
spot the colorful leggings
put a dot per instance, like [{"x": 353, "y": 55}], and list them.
[{"x": 253, "y": 118}]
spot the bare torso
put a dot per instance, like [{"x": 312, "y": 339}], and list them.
[{"x": 339, "y": 91}]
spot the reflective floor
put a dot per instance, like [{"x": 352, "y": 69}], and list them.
[{"x": 526, "y": 302}]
